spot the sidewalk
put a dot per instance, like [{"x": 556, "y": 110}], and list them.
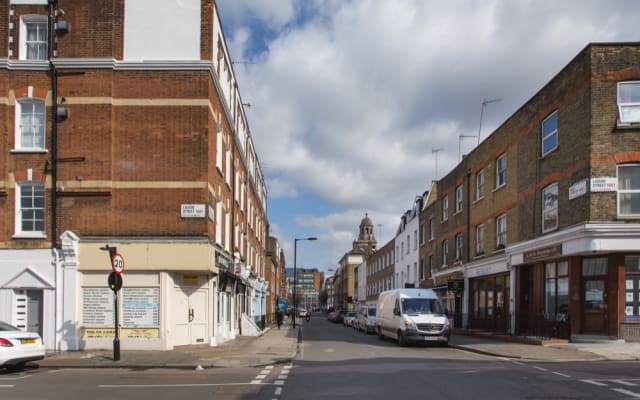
[
  {"x": 272, "y": 347},
  {"x": 280, "y": 346}
]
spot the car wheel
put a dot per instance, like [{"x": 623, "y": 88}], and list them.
[{"x": 402, "y": 342}]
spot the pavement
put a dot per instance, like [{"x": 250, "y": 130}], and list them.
[{"x": 275, "y": 346}]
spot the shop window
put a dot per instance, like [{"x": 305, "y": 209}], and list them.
[
  {"x": 556, "y": 290},
  {"x": 632, "y": 289}
]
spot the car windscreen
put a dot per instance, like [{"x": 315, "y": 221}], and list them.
[{"x": 422, "y": 306}]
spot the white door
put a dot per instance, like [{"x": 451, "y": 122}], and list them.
[{"x": 191, "y": 317}]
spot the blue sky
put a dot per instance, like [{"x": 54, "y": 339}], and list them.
[{"x": 351, "y": 100}]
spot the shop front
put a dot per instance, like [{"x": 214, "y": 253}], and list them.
[
  {"x": 449, "y": 286},
  {"x": 489, "y": 294}
]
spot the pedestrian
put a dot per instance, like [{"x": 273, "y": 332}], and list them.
[{"x": 279, "y": 318}]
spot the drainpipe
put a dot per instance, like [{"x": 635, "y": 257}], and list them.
[{"x": 54, "y": 122}]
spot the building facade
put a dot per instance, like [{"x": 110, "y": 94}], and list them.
[
  {"x": 535, "y": 231},
  {"x": 115, "y": 141}
]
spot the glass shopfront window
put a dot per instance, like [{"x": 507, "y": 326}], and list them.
[
  {"x": 556, "y": 289},
  {"x": 489, "y": 297},
  {"x": 632, "y": 288}
]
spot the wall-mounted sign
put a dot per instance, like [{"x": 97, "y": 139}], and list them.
[
  {"x": 578, "y": 189},
  {"x": 141, "y": 307},
  {"x": 543, "y": 253},
  {"x": 193, "y": 211},
  {"x": 606, "y": 184},
  {"x": 97, "y": 306}
]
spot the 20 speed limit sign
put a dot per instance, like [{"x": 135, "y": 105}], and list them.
[{"x": 117, "y": 263}]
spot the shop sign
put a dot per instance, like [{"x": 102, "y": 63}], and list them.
[
  {"x": 192, "y": 211},
  {"x": 190, "y": 280},
  {"x": 128, "y": 333},
  {"x": 543, "y": 253},
  {"x": 456, "y": 286},
  {"x": 606, "y": 184},
  {"x": 578, "y": 189}
]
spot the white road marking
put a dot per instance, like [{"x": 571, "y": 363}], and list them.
[
  {"x": 261, "y": 376},
  {"x": 623, "y": 382},
  {"x": 563, "y": 375},
  {"x": 289, "y": 366},
  {"x": 285, "y": 372},
  {"x": 279, "y": 383},
  {"x": 282, "y": 376},
  {"x": 265, "y": 372},
  {"x": 269, "y": 367},
  {"x": 593, "y": 382},
  {"x": 7, "y": 386},
  {"x": 178, "y": 385},
  {"x": 540, "y": 368},
  {"x": 627, "y": 393},
  {"x": 256, "y": 382},
  {"x": 278, "y": 391}
]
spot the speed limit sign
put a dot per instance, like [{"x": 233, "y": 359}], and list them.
[{"x": 117, "y": 263}]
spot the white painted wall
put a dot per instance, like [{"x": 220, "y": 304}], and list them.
[{"x": 161, "y": 30}]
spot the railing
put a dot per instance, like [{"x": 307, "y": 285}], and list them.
[{"x": 544, "y": 326}]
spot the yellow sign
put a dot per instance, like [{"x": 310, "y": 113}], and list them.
[
  {"x": 125, "y": 333},
  {"x": 190, "y": 280}
]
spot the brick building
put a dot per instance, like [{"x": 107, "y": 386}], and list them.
[
  {"x": 121, "y": 132},
  {"x": 538, "y": 226}
]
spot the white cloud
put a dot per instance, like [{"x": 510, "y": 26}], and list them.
[{"x": 350, "y": 98}]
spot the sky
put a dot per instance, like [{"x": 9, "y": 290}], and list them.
[{"x": 356, "y": 106}]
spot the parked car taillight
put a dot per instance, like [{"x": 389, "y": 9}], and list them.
[{"x": 5, "y": 343}]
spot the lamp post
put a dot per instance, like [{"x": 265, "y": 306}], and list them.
[{"x": 295, "y": 274}]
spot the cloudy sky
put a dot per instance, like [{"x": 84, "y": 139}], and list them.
[{"x": 356, "y": 106}]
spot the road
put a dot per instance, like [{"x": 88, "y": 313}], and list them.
[{"x": 339, "y": 363}]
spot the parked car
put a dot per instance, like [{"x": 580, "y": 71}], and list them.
[
  {"x": 337, "y": 316},
  {"x": 348, "y": 318},
  {"x": 366, "y": 319},
  {"x": 302, "y": 312},
  {"x": 18, "y": 347}
]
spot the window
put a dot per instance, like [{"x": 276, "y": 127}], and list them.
[
  {"x": 550, "y": 208},
  {"x": 415, "y": 240},
  {"x": 445, "y": 208},
  {"x": 445, "y": 252},
  {"x": 459, "y": 246},
  {"x": 629, "y": 102},
  {"x": 33, "y": 37},
  {"x": 459, "y": 199},
  {"x": 431, "y": 229},
  {"x": 480, "y": 185},
  {"x": 422, "y": 234},
  {"x": 30, "y": 124},
  {"x": 480, "y": 239},
  {"x": 632, "y": 288},
  {"x": 30, "y": 209},
  {"x": 408, "y": 244},
  {"x": 219, "y": 148},
  {"x": 629, "y": 190},
  {"x": 550, "y": 134},
  {"x": 501, "y": 231},
  {"x": 501, "y": 170},
  {"x": 556, "y": 290}
]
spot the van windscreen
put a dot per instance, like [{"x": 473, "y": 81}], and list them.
[
  {"x": 422, "y": 306},
  {"x": 372, "y": 312}
]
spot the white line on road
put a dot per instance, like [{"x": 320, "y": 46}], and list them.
[
  {"x": 256, "y": 382},
  {"x": 278, "y": 391},
  {"x": 627, "y": 393},
  {"x": 285, "y": 372},
  {"x": 279, "y": 383},
  {"x": 178, "y": 385},
  {"x": 593, "y": 382},
  {"x": 282, "y": 376},
  {"x": 261, "y": 376},
  {"x": 563, "y": 375},
  {"x": 7, "y": 386},
  {"x": 540, "y": 368},
  {"x": 623, "y": 382}
]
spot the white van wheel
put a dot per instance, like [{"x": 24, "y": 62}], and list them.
[{"x": 401, "y": 340}]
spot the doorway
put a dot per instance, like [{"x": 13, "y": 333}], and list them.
[
  {"x": 191, "y": 316},
  {"x": 594, "y": 313}
]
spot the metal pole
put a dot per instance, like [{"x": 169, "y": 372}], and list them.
[
  {"x": 116, "y": 340},
  {"x": 484, "y": 104},
  {"x": 295, "y": 246}
]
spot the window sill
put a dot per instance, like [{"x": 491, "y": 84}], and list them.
[
  {"x": 498, "y": 187},
  {"x": 629, "y": 126},
  {"x": 29, "y": 151},
  {"x": 29, "y": 235},
  {"x": 479, "y": 199}
]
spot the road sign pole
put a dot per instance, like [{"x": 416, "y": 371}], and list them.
[{"x": 116, "y": 340}]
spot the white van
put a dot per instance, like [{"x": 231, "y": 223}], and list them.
[{"x": 412, "y": 315}]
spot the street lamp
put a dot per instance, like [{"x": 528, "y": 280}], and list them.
[{"x": 295, "y": 274}]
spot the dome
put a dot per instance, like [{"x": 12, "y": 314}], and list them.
[{"x": 366, "y": 221}]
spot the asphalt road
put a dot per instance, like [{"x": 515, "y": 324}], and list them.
[{"x": 339, "y": 363}]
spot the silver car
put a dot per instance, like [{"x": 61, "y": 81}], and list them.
[{"x": 18, "y": 347}]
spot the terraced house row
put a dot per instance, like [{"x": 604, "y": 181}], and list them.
[
  {"x": 123, "y": 127},
  {"x": 537, "y": 230}
]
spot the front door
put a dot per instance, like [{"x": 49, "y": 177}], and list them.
[
  {"x": 191, "y": 317},
  {"x": 34, "y": 311},
  {"x": 594, "y": 313}
]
